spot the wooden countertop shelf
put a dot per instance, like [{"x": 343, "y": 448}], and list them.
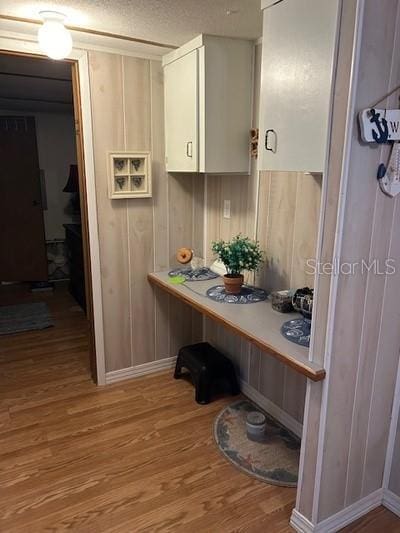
[{"x": 258, "y": 322}]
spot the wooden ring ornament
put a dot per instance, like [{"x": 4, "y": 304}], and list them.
[{"x": 184, "y": 255}]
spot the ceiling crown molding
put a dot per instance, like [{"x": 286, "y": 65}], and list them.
[{"x": 90, "y": 31}]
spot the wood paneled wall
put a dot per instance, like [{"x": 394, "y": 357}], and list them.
[
  {"x": 281, "y": 210},
  {"x": 288, "y": 217},
  {"x": 346, "y": 462},
  {"x": 138, "y": 236},
  {"x": 287, "y": 227}
]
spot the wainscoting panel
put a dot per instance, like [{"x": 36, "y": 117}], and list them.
[{"x": 138, "y": 236}]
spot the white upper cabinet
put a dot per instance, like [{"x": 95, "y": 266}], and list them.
[
  {"x": 298, "y": 56},
  {"x": 208, "y": 100},
  {"x": 181, "y": 113}
]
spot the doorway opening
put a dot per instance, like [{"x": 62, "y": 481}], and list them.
[{"x": 45, "y": 271}]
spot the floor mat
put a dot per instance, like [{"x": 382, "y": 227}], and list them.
[
  {"x": 274, "y": 461},
  {"x": 24, "y": 317}
]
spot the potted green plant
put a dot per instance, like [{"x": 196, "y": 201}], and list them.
[{"x": 238, "y": 254}]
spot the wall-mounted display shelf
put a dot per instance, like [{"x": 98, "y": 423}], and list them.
[
  {"x": 130, "y": 175},
  {"x": 257, "y": 323}
]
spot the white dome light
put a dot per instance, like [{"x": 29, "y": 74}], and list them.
[{"x": 54, "y": 39}]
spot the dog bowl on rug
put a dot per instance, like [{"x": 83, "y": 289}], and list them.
[{"x": 256, "y": 424}]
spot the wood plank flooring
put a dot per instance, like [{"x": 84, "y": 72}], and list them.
[
  {"x": 378, "y": 521},
  {"x": 138, "y": 456}
]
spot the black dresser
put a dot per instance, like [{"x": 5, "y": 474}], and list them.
[{"x": 73, "y": 241}]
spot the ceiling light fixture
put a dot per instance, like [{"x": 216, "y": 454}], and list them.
[{"x": 54, "y": 39}]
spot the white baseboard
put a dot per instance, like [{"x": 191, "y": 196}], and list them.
[
  {"x": 391, "y": 501},
  {"x": 300, "y": 523},
  {"x": 272, "y": 409},
  {"x": 140, "y": 370},
  {"x": 339, "y": 520}
]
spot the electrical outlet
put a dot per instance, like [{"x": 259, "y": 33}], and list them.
[{"x": 227, "y": 209}]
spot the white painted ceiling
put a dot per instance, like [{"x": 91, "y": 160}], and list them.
[{"x": 166, "y": 21}]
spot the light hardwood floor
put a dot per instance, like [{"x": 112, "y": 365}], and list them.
[{"x": 132, "y": 457}]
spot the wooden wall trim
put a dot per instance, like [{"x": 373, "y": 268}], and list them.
[
  {"x": 315, "y": 347},
  {"x": 92, "y": 225},
  {"x": 20, "y": 39},
  {"x": 337, "y": 249},
  {"x": 23, "y": 47},
  {"x": 90, "y": 31},
  {"x": 80, "y": 150}
]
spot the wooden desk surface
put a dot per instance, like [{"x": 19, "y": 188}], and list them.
[{"x": 258, "y": 322}]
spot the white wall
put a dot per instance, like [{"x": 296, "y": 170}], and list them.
[{"x": 57, "y": 151}]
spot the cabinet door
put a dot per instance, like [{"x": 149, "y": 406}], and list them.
[
  {"x": 181, "y": 113},
  {"x": 299, "y": 39}
]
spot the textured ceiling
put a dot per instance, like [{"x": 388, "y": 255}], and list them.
[{"x": 167, "y": 21}]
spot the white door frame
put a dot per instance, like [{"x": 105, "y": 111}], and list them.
[{"x": 28, "y": 45}]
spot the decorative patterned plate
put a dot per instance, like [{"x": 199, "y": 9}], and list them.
[
  {"x": 297, "y": 331},
  {"x": 199, "y": 274},
  {"x": 248, "y": 295}
]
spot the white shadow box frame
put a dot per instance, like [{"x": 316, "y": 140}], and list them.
[{"x": 129, "y": 175}]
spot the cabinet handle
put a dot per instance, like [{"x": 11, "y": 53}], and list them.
[
  {"x": 189, "y": 149},
  {"x": 267, "y": 147}
]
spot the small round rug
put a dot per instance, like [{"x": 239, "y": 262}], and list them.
[{"x": 274, "y": 461}]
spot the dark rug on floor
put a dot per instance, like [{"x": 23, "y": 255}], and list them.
[
  {"x": 274, "y": 461},
  {"x": 24, "y": 317}
]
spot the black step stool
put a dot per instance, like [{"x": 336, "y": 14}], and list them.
[{"x": 209, "y": 370}]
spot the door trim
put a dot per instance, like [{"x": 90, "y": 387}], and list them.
[{"x": 80, "y": 69}]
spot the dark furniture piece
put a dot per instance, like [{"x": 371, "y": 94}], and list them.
[
  {"x": 73, "y": 240},
  {"x": 22, "y": 241},
  {"x": 209, "y": 369}
]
